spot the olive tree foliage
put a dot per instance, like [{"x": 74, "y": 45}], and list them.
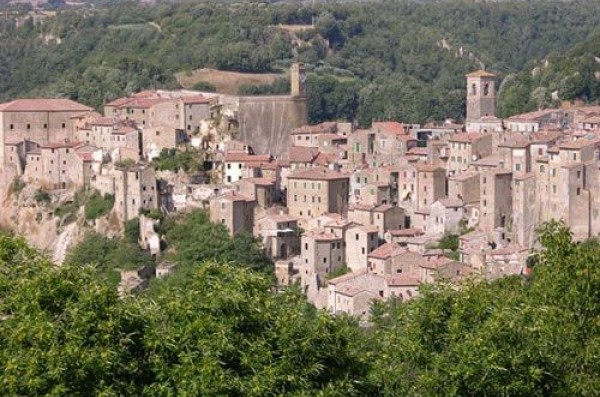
[
  {"x": 536, "y": 336},
  {"x": 65, "y": 332}
]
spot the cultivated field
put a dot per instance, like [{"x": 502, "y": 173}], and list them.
[{"x": 225, "y": 82}]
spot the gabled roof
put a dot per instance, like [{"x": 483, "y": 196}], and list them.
[
  {"x": 393, "y": 127},
  {"x": 402, "y": 281},
  {"x": 242, "y": 157},
  {"x": 467, "y": 137},
  {"x": 302, "y": 154},
  {"x": 480, "y": 73},
  {"x": 386, "y": 251},
  {"x": 44, "y": 105},
  {"x": 317, "y": 173}
]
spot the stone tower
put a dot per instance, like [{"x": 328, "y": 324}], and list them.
[
  {"x": 298, "y": 79},
  {"x": 481, "y": 95}
]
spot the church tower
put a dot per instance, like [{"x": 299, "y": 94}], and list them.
[
  {"x": 481, "y": 95},
  {"x": 298, "y": 79}
]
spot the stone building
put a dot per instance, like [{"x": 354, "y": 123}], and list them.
[
  {"x": 496, "y": 199},
  {"x": 445, "y": 217},
  {"x": 322, "y": 253},
  {"x": 312, "y": 192},
  {"x": 235, "y": 211},
  {"x": 466, "y": 148},
  {"x": 134, "y": 189},
  {"x": 464, "y": 187},
  {"x": 524, "y": 221},
  {"x": 57, "y": 166},
  {"x": 360, "y": 241},
  {"x": 39, "y": 120},
  {"x": 481, "y": 95},
  {"x": 279, "y": 235},
  {"x": 431, "y": 185}
]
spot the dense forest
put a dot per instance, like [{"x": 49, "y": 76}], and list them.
[
  {"x": 222, "y": 330},
  {"x": 390, "y": 60}
]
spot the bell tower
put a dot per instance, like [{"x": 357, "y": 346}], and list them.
[
  {"x": 298, "y": 79},
  {"x": 481, "y": 95}
]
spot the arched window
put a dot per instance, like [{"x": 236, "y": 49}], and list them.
[
  {"x": 473, "y": 89},
  {"x": 486, "y": 89}
]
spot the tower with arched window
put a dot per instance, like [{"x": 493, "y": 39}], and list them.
[{"x": 481, "y": 95}]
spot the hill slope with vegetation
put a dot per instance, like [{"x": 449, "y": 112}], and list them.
[
  {"x": 223, "y": 331},
  {"x": 397, "y": 60}
]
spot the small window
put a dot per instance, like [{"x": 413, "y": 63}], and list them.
[
  {"x": 12, "y": 126},
  {"x": 28, "y": 126},
  {"x": 64, "y": 125}
]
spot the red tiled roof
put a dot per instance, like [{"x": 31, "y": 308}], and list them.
[
  {"x": 58, "y": 145},
  {"x": 403, "y": 281},
  {"x": 319, "y": 235},
  {"x": 85, "y": 156},
  {"x": 106, "y": 121},
  {"x": 467, "y": 137},
  {"x": 405, "y": 138},
  {"x": 418, "y": 151},
  {"x": 450, "y": 203},
  {"x": 242, "y": 157},
  {"x": 389, "y": 126},
  {"x": 119, "y": 102},
  {"x": 579, "y": 143},
  {"x": 324, "y": 159},
  {"x": 259, "y": 181},
  {"x": 347, "y": 277},
  {"x": 317, "y": 173},
  {"x": 87, "y": 113},
  {"x": 143, "y": 103},
  {"x": 406, "y": 232},
  {"x": 352, "y": 290},
  {"x": 302, "y": 154},
  {"x": 428, "y": 167},
  {"x": 480, "y": 73},
  {"x": 517, "y": 143},
  {"x": 386, "y": 251},
  {"x": 43, "y": 105}
]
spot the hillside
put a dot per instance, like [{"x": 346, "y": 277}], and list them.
[
  {"x": 401, "y": 60},
  {"x": 571, "y": 76}
]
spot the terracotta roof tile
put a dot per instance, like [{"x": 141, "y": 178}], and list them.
[
  {"x": 302, "y": 154},
  {"x": 386, "y": 251},
  {"x": 402, "y": 281},
  {"x": 467, "y": 137},
  {"x": 393, "y": 127},
  {"x": 317, "y": 173},
  {"x": 43, "y": 105},
  {"x": 480, "y": 73}
]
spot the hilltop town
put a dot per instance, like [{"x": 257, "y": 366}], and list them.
[{"x": 352, "y": 215}]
